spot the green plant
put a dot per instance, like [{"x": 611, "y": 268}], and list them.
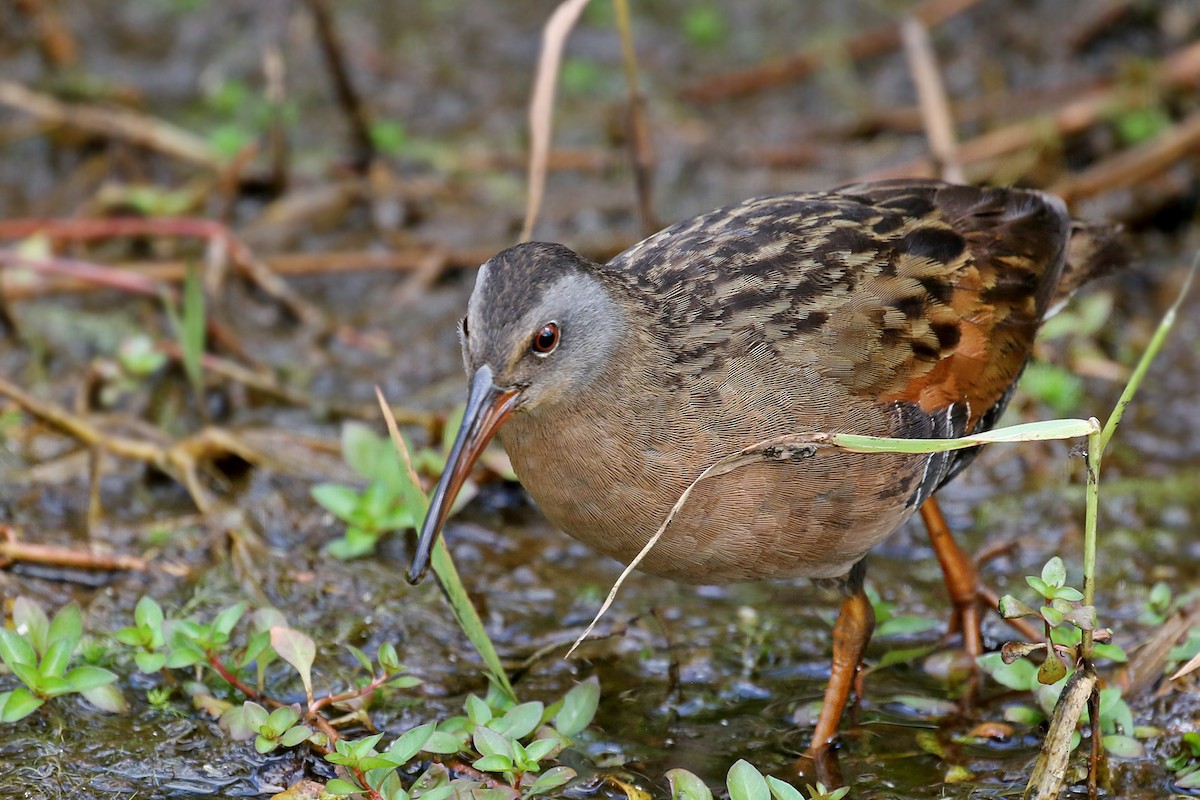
[
  {"x": 374, "y": 511},
  {"x": 1186, "y": 763},
  {"x": 705, "y": 26},
  {"x": 39, "y": 652},
  {"x": 745, "y": 782},
  {"x": 1065, "y": 619},
  {"x": 495, "y": 736}
]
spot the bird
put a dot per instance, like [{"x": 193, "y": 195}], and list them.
[{"x": 902, "y": 308}]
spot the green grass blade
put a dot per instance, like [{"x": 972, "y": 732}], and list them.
[
  {"x": 1026, "y": 432},
  {"x": 1156, "y": 343},
  {"x": 443, "y": 567}
]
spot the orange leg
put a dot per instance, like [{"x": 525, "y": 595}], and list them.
[
  {"x": 958, "y": 570},
  {"x": 851, "y": 633}
]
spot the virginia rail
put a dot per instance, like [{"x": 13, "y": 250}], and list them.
[{"x": 899, "y": 308}]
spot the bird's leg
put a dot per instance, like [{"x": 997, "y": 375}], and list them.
[
  {"x": 962, "y": 582},
  {"x": 851, "y": 633},
  {"x": 958, "y": 570}
]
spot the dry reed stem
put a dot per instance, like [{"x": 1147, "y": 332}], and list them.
[
  {"x": 541, "y": 108},
  {"x": 931, "y": 96},
  {"x": 113, "y": 123}
]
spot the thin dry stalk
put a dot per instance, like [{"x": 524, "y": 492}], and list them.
[
  {"x": 1180, "y": 71},
  {"x": 931, "y": 96},
  {"x": 641, "y": 151},
  {"x": 348, "y": 97},
  {"x": 221, "y": 240},
  {"x": 14, "y": 550},
  {"x": 55, "y": 41},
  {"x": 1135, "y": 165},
  {"x": 1050, "y": 770},
  {"x": 112, "y": 123},
  {"x": 541, "y": 108}
]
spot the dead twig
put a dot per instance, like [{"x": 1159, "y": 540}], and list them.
[
  {"x": 931, "y": 96},
  {"x": 541, "y": 108},
  {"x": 641, "y": 151},
  {"x": 1134, "y": 165},
  {"x": 222, "y": 241},
  {"x": 1179, "y": 71},
  {"x": 113, "y": 123},
  {"x": 55, "y": 41},
  {"x": 181, "y": 459},
  {"x": 12, "y": 550},
  {"x": 349, "y": 100},
  {"x": 867, "y": 44}
]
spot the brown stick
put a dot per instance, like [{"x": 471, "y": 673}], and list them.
[
  {"x": 1134, "y": 165},
  {"x": 931, "y": 95},
  {"x": 215, "y": 233},
  {"x": 860, "y": 46},
  {"x": 641, "y": 152},
  {"x": 112, "y": 123},
  {"x": 14, "y": 550},
  {"x": 349, "y": 100},
  {"x": 55, "y": 40},
  {"x": 1179, "y": 71}
]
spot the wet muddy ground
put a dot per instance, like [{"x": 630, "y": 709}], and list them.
[{"x": 455, "y": 77}]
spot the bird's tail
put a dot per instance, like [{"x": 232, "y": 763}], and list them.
[{"x": 1096, "y": 249}]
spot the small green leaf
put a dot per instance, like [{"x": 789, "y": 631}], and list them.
[
  {"x": 362, "y": 449},
  {"x": 783, "y": 791},
  {"x": 148, "y": 614},
  {"x": 1054, "y": 573},
  {"x": 58, "y": 655},
  {"x": 1069, "y": 593},
  {"x": 906, "y": 625},
  {"x": 409, "y": 744},
  {"x": 361, "y": 658},
  {"x": 149, "y": 662},
  {"x": 14, "y": 650},
  {"x": 18, "y": 704},
  {"x": 746, "y": 783},
  {"x": 488, "y": 742},
  {"x": 107, "y": 698},
  {"x": 1123, "y": 746},
  {"x": 551, "y": 779},
  {"x": 85, "y": 678},
  {"x": 477, "y": 710},
  {"x": 1052, "y": 615},
  {"x": 1039, "y": 586},
  {"x": 264, "y": 745},
  {"x": 519, "y": 721},
  {"x": 388, "y": 660},
  {"x": 579, "y": 707},
  {"x": 294, "y": 736},
  {"x": 32, "y": 624},
  {"x": 338, "y": 786},
  {"x": 441, "y": 743},
  {"x": 493, "y": 763},
  {"x": 538, "y": 749},
  {"x": 341, "y": 501},
  {"x": 223, "y": 623},
  {"x": 687, "y": 786}
]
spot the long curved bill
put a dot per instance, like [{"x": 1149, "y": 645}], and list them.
[{"x": 488, "y": 406}]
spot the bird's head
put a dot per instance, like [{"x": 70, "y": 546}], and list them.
[{"x": 540, "y": 327}]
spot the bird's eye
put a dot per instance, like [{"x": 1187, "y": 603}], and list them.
[
  {"x": 546, "y": 339},
  {"x": 462, "y": 326}
]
